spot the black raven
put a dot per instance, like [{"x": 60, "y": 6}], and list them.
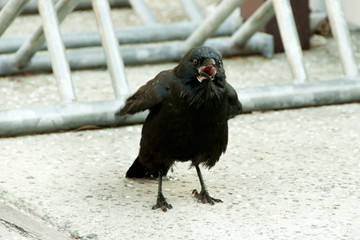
[{"x": 188, "y": 120}]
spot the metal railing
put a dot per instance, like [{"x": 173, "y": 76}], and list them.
[{"x": 26, "y": 49}]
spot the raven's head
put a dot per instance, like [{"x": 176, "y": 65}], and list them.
[
  {"x": 202, "y": 76},
  {"x": 202, "y": 64}
]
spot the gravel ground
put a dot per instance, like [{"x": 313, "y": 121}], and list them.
[{"x": 291, "y": 174}]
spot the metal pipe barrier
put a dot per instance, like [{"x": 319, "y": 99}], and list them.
[
  {"x": 260, "y": 43},
  {"x": 128, "y": 35},
  {"x": 32, "y": 7},
  {"x": 17, "y": 63}
]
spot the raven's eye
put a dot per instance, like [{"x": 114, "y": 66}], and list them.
[
  {"x": 195, "y": 62},
  {"x": 219, "y": 63}
]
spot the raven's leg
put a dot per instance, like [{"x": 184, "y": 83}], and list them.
[
  {"x": 161, "y": 202},
  {"x": 203, "y": 196}
]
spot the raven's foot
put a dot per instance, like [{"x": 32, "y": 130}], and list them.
[
  {"x": 204, "y": 197},
  {"x": 161, "y": 203}
]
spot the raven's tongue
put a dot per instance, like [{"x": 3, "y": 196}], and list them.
[{"x": 206, "y": 72}]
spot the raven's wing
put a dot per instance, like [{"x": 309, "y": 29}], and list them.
[
  {"x": 148, "y": 95},
  {"x": 235, "y": 106}
]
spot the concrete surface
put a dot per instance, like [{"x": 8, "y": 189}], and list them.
[
  {"x": 292, "y": 174},
  {"x": 9, "y": 233},
  {"x": 24, "y": 225}
]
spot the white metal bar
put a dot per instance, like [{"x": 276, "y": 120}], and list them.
[
  {"x": 256, "y": 21},
  {"x": 342, "y": 36},
  {"x": 7, "y": 14},
  {"x": 193, "y": 10},
  {"x": 36, "y": 41},
  {"x": 143, "y": 11},
  {"x": 210, "y": 24},
  {"x": 290, "y": 39},
  {"x": 56, "y": 48},
  {"x": 111, "y": 47},
  {"x": 74, "y": 115}
]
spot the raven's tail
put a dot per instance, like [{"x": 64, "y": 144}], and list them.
[{"x": 137, "y": 170}]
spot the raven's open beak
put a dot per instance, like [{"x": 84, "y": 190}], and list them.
[{"x": 207, "y": 70}]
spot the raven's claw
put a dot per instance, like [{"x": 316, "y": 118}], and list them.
[
  {"x": 161, "y": 203},
  {"x": 204, "y": 197}
]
